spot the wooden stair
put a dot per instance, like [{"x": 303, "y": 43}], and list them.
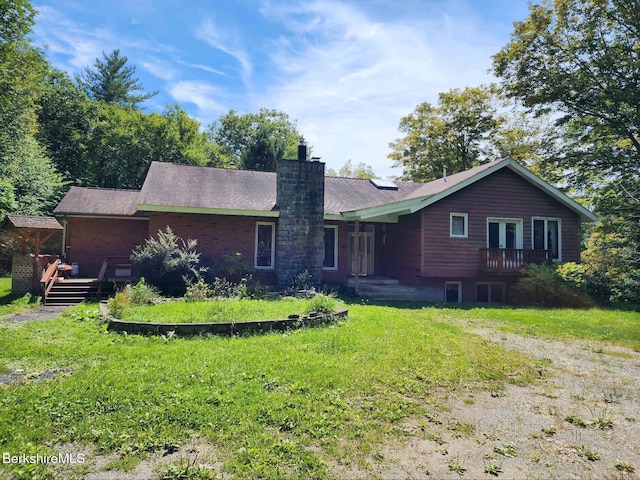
[{"x": 72, "y": 291}]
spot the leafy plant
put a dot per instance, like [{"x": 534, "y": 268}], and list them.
[
  {"x": 492, "y": 469},
  {"x": 456, "y": 467},
  {"x": 506, "y": 450},
  {"x": 198, "y": 291},
  {"x": 543, "y": 287},
  {"x": 625, "y": 466},
  {"x": 185, "y": 470},
  {"x": 321, "y": 303},
  {"x": 132, "y": 295},
  {"x": 301, "y": 281},
  {"x": 168, "y": 262}
]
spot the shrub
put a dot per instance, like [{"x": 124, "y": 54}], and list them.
[
  {"x": 198, "y": 291},
  {"x": 168, "y": 262},
  {"x": 543, "y": 287},
  {"x": 139, "y": 294},
  {"x": 321, "y": 303},
  {"x": 301, "y": 281}
]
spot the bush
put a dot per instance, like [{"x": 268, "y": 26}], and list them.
[
  {"x": 139, "y": 294},
  {"x": 542, "y": 286},
  {"x": 301, "y": 281},
  {"x": 321, "y": 303},
  {"x": 168, "y": 262},
  {"x": 198, "y": 291}
]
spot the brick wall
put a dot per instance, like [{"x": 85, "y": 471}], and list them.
[
  {"x": 217, "y": 235},
  {"x": 91, "y": 239}
]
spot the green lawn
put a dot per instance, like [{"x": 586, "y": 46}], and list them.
[
  {"x": 222, "y": 310},
  {"x": 275, "y": 405},
  {"x": 9, "y": 304}
]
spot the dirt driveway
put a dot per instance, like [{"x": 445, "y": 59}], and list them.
[{"x": 581, "y": 420}]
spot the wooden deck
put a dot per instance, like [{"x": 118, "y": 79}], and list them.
[{"x": 511, "y": 261}]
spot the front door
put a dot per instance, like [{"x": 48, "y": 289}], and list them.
[{"x": 361, "y": 265}]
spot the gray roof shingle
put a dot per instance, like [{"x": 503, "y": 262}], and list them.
[{"x": 99, "y": 201}]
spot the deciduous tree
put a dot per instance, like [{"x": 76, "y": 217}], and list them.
[
  {"x": 456, "y": 134},
  {"x": 255, "y": 141}
]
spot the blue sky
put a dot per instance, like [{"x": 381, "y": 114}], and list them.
[{"x": 346, "y": 71}]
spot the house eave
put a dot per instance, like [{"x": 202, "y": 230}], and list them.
[
  {"x": 209, "y": 211},
  {"x": 412, "y": 205}
]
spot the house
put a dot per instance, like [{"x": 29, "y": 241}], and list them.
[{"x": 465, "y": 237}]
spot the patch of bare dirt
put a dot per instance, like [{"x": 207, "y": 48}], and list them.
[{"x": 580, "y": 421}]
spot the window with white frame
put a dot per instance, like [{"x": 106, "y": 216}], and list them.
[
  {"x": 458, "y": 225},
  {"x": 453, "y": 292},
  {"x": 547, "y": 236},
  {"x": 265, "y": 245},
  {"x": 330, "y": 261}
]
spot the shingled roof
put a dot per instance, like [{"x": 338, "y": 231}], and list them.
[
  {"x": 33, "y": 222},
  {"x": 100, "y": 202},
  {"x": 192, "y": 189}
]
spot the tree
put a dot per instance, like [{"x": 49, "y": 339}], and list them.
[
  {"x": 362, "y": 171},
  {"x": 124, "y": 141},
  {"x": 112, "y": 80},
  {"x": 455, "y": 135},
  {"x": 255, "y": 141},
  {"x": 30, "y": 183},
  {"x": 66, "y": 116},
  {"x": 581, "y": 57}
]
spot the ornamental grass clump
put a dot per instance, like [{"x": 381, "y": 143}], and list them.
[{"x": 321, "y": 303}]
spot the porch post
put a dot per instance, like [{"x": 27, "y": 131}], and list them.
[{"x": 356, "y": 256}]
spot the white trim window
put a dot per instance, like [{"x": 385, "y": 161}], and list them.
[
  {"x": 504, "y": 233},
  {"x": 265, "y": 251},
  {"x": 330, "y": 261},
  {"x": 459, "y": 225},
  {"x": 452, "y": 292},
  {"x": 547, "y": 235}
]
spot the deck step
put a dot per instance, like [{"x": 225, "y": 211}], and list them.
[{"x": 73, "y": 292}]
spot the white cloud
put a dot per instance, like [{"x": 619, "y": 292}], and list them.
[
  {"x": 201, "y": 94},
  {"x": 218, "y": 39},
  {"x": 348, "y": 79}
]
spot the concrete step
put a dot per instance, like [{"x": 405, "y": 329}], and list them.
[{"x": 390, "y": 291}]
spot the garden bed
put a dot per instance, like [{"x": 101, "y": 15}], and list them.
[{"x": 236, "y": 327}]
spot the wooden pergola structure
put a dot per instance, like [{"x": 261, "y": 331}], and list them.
[{"x": 34, "y": 230}]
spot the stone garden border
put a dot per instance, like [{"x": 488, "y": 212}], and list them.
[{"x": 312, "y": 319}]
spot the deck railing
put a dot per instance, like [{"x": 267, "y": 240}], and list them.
[
  {"x": 511, "y": 260},
  {"x": 49, "y": 278}
]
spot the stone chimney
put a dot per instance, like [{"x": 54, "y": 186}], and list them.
[{"x": 300, "y": 232}]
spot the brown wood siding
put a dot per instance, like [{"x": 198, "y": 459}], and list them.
[
  {"x": 501, "y": 195},
  {"x": 400, "y": 252},
  {"x": 91, "y": 239}
]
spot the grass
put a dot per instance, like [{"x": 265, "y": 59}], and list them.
[
  {"x": 220, "y": 310},
  {"x": 10, "y": 304},
  {"x": 279, "y": 405},
  {"x": 611, "y": 326}
]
